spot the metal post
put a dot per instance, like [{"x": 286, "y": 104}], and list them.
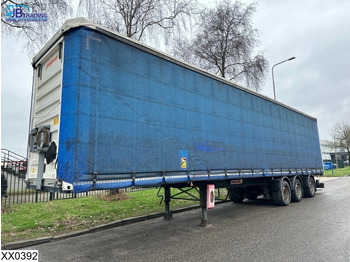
[
  {"x": 273, "y": 79},
  {"x": 40, "y": 175},
  {"x": 336, "y": 158},
  {"x": 273, "y": 84},
  {"x": 167, "y": 196},
  {"x": 18, "y": 180}
]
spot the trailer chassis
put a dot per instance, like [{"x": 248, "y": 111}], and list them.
[{"x": 282, "y": 190}]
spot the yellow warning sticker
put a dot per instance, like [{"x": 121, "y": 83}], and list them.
[
  {"x": 183, "y": 162},
  {"x": 55, "y": 121}
]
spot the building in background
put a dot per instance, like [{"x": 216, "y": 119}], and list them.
[{"x": 337, "y": 156}]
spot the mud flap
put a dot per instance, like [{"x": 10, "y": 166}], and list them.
[{"x": 319, "y": 185}]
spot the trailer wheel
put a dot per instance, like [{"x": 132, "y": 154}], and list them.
[
  {"x": 236, "y": 195},
  {"x": 297, "y": 192},
  {"x": 309, "y": 186},
  {"x": 282, "y": 197}
]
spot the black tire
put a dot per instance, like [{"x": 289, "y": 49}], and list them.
[
  {"x": 309, "y": 187},
  {"x": 282, "y": 197},
  {"x": 297, "y": 192},
  {"x": 236, "y": 195}
]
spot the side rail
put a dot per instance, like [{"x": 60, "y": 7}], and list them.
[{"x": 103, "y": 181}]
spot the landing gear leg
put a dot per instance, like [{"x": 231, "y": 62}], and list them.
[
  {"x": 167, "y": 196},
  {"x": 203, "y": 203}
]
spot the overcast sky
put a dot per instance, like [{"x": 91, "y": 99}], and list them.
[{"x": 317, "y": 82}]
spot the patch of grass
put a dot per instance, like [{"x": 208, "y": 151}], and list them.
[
  {"x": 28, "y": 221},
  {"x": 338, "y": 172}
]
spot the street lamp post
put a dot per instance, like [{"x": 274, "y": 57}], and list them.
[{"x": 273, "y": 80}]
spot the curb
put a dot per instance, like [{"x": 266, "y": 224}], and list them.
[
  {"x": 26, "y": 243},
  {"x": 32, "y": 242}
]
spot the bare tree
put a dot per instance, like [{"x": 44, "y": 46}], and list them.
[
  {"x": 138, "y": 19},
  {"x": 340, "y": 137},
  {"x": 36, "y": 32},
  {"x": 224, "y": 44}
]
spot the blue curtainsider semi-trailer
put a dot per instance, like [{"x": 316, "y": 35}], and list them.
[{"x": 109, "y": 112}]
